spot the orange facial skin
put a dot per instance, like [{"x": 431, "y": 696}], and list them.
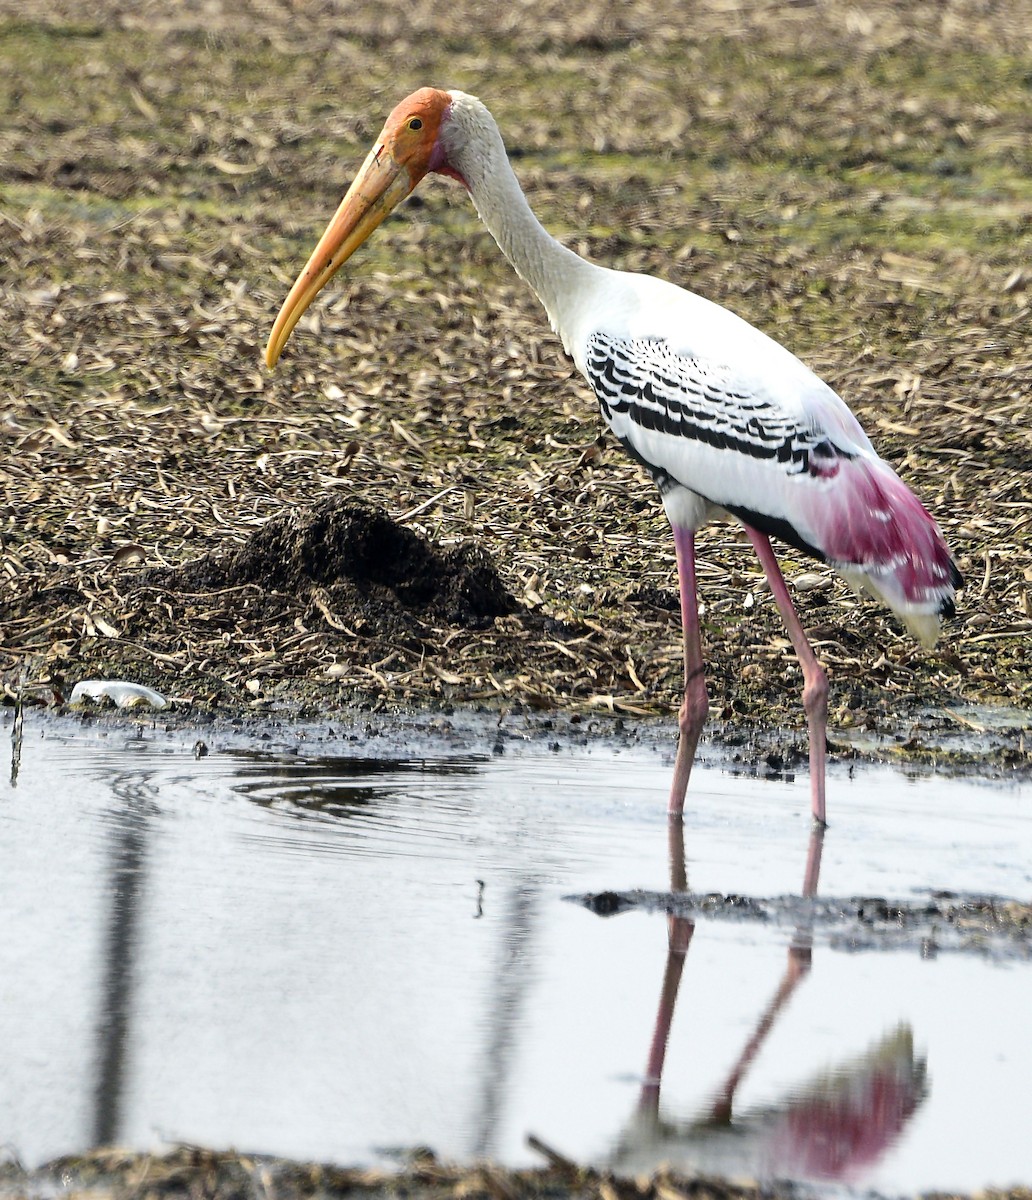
[{"x": 406, "y": 150}]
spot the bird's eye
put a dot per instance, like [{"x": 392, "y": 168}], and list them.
[{"x": 415, "y": 123}]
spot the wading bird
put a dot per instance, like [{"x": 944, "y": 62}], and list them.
[{"x": 724, "y": 419}]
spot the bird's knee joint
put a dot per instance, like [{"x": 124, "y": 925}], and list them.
[
  {"x": 815, "y": 693},
  {"x": 695, "y": 709}
]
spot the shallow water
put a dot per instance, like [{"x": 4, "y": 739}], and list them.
[{"x": 334, "y": 957}]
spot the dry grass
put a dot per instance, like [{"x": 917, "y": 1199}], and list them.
[
  {"x": 192, "y": 1172},
  {"x": 855, "y": 182}
]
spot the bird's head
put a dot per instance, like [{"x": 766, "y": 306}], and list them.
[{"x": 409, "y": 146}]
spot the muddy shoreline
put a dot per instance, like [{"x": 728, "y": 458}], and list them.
[
  {"x": 989, "y": 743},
  {"x": 192, "y": 1171}
]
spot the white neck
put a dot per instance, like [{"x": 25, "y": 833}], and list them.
[{"x": 475, "y": 149}]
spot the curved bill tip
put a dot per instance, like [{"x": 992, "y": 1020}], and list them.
[
  {"x": 380, "y": 185},
  {"x": 285, "y": 322},
  {"x": 273, "y": 349}
]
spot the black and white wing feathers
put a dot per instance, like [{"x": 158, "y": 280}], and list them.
[
  {"x": 700, "y": 426},
  {"x": 796, "y": 465}
]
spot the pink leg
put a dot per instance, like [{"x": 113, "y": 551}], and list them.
[
  {"x": 679, "y": 934},
  {"x": 695, "y": 707},
  {"x": 799, "y": 962},
  {"x": 813, "y": 861},
  {"x": 815, "y": 681}
]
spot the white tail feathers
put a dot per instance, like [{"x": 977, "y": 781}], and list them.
[{"x": 922, "y": 618}]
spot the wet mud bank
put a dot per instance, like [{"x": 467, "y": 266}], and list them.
[
  {"x": 190, "y": 1172},
  {"x": 422, "y": 636},
  {"x": 989, "y": 743},
  {"x": 995, "y": 926}
]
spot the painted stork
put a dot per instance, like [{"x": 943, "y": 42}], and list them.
[{"x": 726, "y": 420}]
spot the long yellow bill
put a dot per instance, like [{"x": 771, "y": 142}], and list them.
[{"x": 379, "y": 187}]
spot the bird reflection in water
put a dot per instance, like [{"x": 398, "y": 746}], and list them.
[{"x": 832, "y": 1128}]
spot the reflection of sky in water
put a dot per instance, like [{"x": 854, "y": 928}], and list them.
[{"x": 289, "y": 957}]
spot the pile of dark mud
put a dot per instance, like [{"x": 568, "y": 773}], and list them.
[{"x": 368, "y": 569}]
